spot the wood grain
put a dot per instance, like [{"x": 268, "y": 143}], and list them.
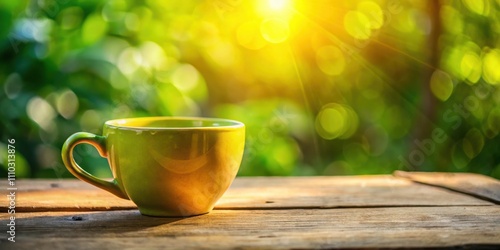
[
  {"x": 469, "y": 183},
  {"x": 254, "y": 193},
  {"x": 64, "y": 195},
  {"x": 263, "y": 229},
  {"x": 337, "y": 192},
  {"x": 260, "y": 213}
]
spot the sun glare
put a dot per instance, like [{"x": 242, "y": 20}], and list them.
[
  {"x": 278, "y": 5},
  {"x": 282, "y": 8},
  {"x": 274, "y": 25}
]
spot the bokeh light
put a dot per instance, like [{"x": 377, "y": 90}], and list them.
[
  {"x": 67, "y": 104},
  {"x": 248, "y": 35},
  {"x": 441, "y": 85},
  {"x": 13, "y": 85},
  {"x": 129, "y": 61},
  {"x": 71, "y": 18},
  {"x": 452, "y": 19},
  {"x": 491, "y": 64},
  {"x": 185, "y": 77},
  {"x": 494, "y": 121},
  {"x": 364, "y": 20},
  {"x": 480, "y": 7},
  {"x": 41, "y": 112},
  {"x": 152, "y": 55},
  {"x": 222, "y": 54},
  {"x": 336, "y": 121},
  {"x": 357, "y": 25},
  {"x": 473, "y": 143},
  {"x": 94, "y": 27},
  {"x": 91, "y": 121},
  {"x": 471, "y": 66},
  {"x": 330, "y": 60},
  {"x": 274, "y": 30},
  {"x": 373, "y": 12}
]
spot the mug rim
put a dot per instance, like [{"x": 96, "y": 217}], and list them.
[{"x": 121, "y": 123}]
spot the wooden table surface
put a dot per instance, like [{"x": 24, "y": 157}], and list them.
[{"x": 411, "y": 210}]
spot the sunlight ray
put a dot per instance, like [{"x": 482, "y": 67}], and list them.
[{"x": 352, "y": 52}]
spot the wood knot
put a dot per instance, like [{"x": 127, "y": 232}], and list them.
[{"x": 76, "y": 218}]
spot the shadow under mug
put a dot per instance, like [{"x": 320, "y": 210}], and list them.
[{"x": 168, "y": 166}]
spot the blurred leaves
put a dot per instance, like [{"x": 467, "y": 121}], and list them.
[{"x": 344, "y": 87}]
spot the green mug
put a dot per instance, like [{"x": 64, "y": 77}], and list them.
[{"x": 168, "y": 166}]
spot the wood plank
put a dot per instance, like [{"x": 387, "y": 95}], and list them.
[
  {"x": 337, "y": 191},
  {"x": 65, "y": 195},
  {"x": 253, "y": 192},
  {"x": 262, "y": 229},
  {"x": 469, "y": 183}
]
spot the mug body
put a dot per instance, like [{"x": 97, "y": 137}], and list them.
[{"x": 171, "y": 166}]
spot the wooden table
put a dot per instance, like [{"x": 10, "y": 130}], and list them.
[{"x": 382, "y": 211}]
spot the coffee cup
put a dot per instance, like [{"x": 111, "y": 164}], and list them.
[{"x": 168, "y": 166}]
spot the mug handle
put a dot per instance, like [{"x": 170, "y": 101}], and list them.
[{"x": 99, "y": 142}]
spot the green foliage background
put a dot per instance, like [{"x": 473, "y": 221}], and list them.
[{"x": 324, "y": 87}]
